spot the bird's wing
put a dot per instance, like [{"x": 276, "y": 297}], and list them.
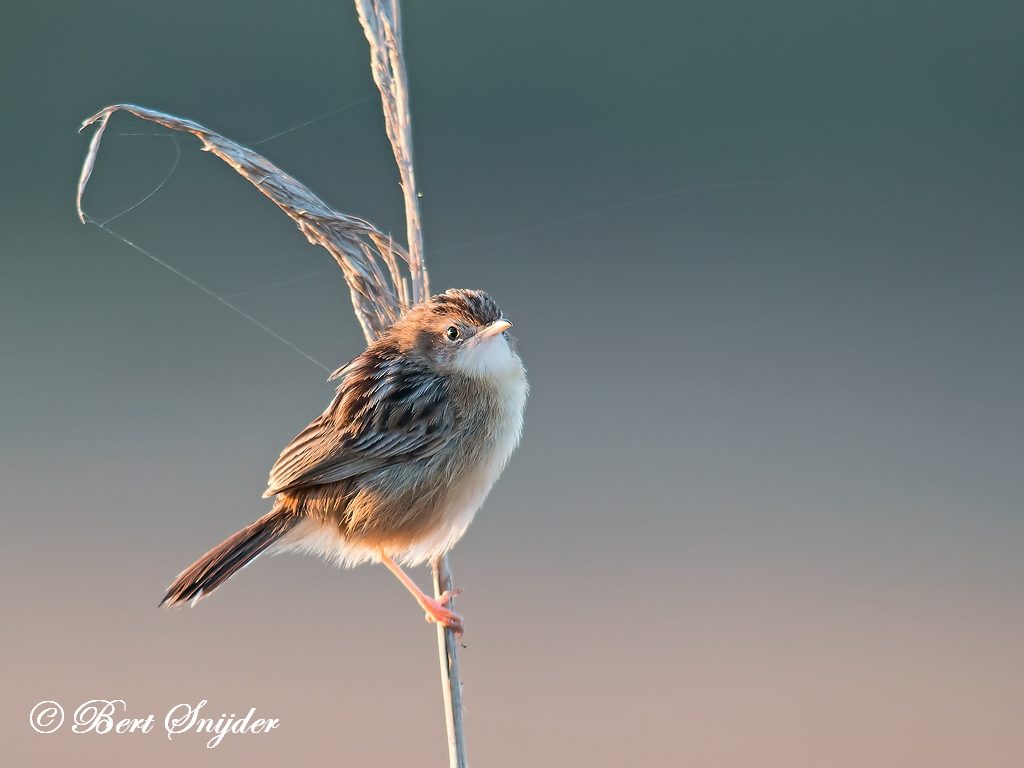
[{"x": 384, "y": 413}]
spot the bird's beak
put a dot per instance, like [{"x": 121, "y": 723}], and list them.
[{"x": 498, "y": 326}]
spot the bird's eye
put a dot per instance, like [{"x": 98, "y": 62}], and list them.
[{"x": 452, "y": 334}]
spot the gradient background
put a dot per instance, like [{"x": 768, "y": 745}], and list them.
[{"x": 767, "y": 510}]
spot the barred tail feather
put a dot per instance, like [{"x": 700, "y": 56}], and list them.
[{"x": 234, "y": 553}]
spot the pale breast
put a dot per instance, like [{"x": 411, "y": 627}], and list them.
[{"x": 484, "y": 454}]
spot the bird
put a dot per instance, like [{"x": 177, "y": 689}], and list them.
[{"x": 393, "y": 471}]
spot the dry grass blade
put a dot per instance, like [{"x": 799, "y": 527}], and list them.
[
  {"x": 357, "y": 246},
  {"x": 382, "y": 24}
]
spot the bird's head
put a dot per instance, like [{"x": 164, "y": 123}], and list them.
[{"x": 460, "y": 331}]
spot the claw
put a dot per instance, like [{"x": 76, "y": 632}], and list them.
[
  {"x": 448, "y": 594},
  {"x": 434, "y": 607},
  {"x": 438, "y": 614}
]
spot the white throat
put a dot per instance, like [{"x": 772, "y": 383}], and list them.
[{"x": 491, "y": 358}]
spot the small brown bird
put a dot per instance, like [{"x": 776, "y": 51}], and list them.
[{"x": 394, "y": 470}]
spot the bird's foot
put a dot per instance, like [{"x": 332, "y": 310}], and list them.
[
  {"x": 434, "y": 607},
  {"x": 437, "y": 613}
]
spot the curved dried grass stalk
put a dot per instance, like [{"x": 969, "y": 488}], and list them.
[{"x": 355, "y": 244}]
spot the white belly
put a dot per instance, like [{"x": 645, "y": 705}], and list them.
[{"x": 468, "y": 493}]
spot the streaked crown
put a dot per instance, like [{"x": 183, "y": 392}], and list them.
[{"x": 472, "y": 307}]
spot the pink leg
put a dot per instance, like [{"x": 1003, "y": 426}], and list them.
[{"x": 435, "y": 609}]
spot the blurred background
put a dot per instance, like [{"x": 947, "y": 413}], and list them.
[{"x": 765, "y": 266}]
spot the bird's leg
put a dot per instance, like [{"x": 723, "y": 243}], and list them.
[{"x": 435, "y": 608}]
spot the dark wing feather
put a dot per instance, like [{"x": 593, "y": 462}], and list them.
[{"x": 386, "y": 412}]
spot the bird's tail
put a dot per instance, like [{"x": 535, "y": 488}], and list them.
[{"x": 231, "y": 555}]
